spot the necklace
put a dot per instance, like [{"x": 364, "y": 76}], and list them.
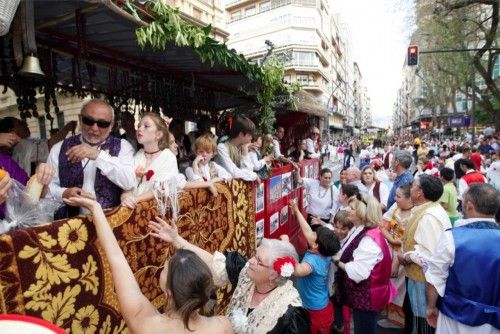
[
  {"x": 151, "y": 153},
  {"x": 264, "y": 293},
  {"x": 324, "y": 194}
]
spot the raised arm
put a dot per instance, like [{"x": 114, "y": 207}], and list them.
[
  {"x": 134, "y": 306},
  {"x": 168, "y": 232},
  {"x": 304, "y": 226}
]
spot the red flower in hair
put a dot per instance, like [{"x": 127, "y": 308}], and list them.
[
  {"x": 284, "y": 266},
  {"x": 149, "y": 174}
]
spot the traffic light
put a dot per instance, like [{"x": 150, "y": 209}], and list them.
[{"x": 412, "y": 55}]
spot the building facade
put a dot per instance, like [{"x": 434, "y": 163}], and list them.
[{"x": 308, "y": 38}]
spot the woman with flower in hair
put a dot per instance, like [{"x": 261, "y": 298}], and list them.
[
  {"x": 264, "y": 300},
  {"x": 153, "y": 162}
]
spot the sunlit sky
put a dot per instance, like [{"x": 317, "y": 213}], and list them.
[{"x": 379, "y": 31}]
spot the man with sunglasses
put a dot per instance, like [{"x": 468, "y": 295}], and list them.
[
  {"x": 313, "y": 142},
  {"x": 94, "y": 162}
]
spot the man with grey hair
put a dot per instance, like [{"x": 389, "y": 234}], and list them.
[
  {"x": 93, "y": 163},
  {"x": 401, "y": 163},
  {"x": 464, "y": 269},
  {"x": 353, "y": 176},
  {"x": 313, "y": 141}
]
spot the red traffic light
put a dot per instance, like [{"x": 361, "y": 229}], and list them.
[{"x": 412, "y": 55}]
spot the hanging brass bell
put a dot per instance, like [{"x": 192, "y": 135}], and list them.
[{"x": 31, "y": 68}]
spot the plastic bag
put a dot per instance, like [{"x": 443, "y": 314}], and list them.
[{"x": 22, "y": 211}]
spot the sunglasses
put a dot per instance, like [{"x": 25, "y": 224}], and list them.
[{"x": 90, "y": 122}]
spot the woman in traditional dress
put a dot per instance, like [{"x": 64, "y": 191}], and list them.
[
  {"x": 393, "y": 228},
  {"x": 365, "y": 266},
  {"x": 154, "y": 162},
  {"x": 185, "y": 279},
  {"x": 264, "y": 300},
  {"x": 375, "y": 187}
]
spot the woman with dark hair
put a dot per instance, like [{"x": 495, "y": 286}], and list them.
[
  {"x": 154, "y": 162},
  {"x": 185, "y": 279},
  {"x": 264, "y": 299},
  {"x": 322, "y": 196},
  {"x": 341, "y": 181},
  {"x": 229, "y": 153},
  {"x": 300, "y": 152}
]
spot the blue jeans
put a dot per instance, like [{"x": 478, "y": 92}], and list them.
[{"x": 365, "y": 322}]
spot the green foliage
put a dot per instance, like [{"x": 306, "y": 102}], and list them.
[
  {"x": 445, "y": 25},
  {"x": 483, "y": 117},
  {"x": 167, "y": 26}
]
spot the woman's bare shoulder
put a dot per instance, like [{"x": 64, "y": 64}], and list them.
[{"x": 218, "y": 324}]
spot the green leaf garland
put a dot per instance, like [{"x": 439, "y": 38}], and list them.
[{"x": 167, "y": 26}]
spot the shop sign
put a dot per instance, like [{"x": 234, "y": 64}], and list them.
[{"x": 458, "y": 121}]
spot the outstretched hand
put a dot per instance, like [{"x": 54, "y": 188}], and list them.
[
  {"x": 166, "y": 231},
  {"x": 81, "y": 201},
  {"x": 293, "y": 205}
]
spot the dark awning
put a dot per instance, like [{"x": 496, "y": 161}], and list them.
[{"x": 91, "y": 47}]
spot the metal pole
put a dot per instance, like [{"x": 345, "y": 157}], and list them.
[{"x": 472, "y": 117}]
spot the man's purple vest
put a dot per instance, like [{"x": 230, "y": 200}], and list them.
[
  {"x": 374, "y": 293},
  {"x": 71, "y": 175}
]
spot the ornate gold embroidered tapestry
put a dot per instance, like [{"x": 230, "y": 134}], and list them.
[{"x": 59, "y": 272}]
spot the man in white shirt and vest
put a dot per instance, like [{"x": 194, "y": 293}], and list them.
[{"x": 463, "y": 292}]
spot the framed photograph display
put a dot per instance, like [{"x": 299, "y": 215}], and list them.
[
  {"x": 275, "y": 188},
  {"x": 259, "y": 198},
  {"x": 274, "y": 222}
]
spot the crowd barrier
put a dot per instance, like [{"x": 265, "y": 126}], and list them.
[
  {"x": 58, "y": 271},
  {"x": 272, "y": 213}
]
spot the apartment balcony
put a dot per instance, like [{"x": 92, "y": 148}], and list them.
[
  {"x": 232, "y": 4},
  {"x": 313, "y": 86}
]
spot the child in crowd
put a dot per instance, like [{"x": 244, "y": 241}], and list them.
[
  {"x": 203, "y": 168},
  {"x": 255, "y": 160},
  {"x": 449, "y": 198},
  {"x": 346, "y": 192},
  {"x": 393, "y": 228},
  {"x": 313, "y": 272},
  {"x": 343, "y": 229}
]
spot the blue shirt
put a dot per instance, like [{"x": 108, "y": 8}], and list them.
[
  {"x": 401, "y": 180},
  {"x": 313, "y": 288}
]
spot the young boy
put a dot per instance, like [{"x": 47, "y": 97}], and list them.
[
  {"x": 449, "y": 198},
  {"x": 343, "y": 228},
  {"x": 313, "y": 273},
  {"x": 203, "y": 169}
]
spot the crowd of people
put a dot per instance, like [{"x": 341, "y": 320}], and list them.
[{"x": 403, "y": 239}]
